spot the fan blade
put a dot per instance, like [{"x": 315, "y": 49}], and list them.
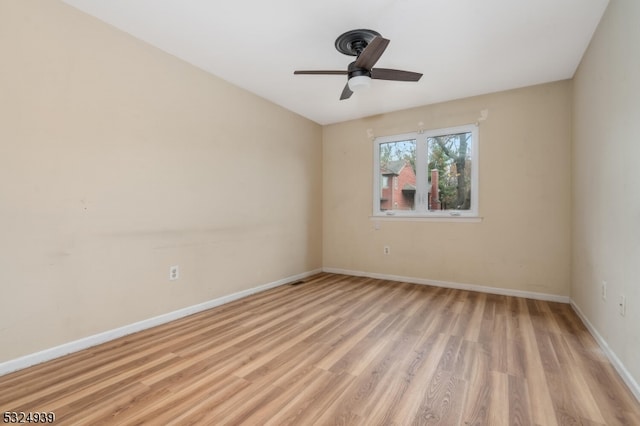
[
  {"x": 372, "y": 53},
  {"x": 346, "y": 92},
  {"x": 397, "y": 75},
  {"x": 321, "y": 72}
]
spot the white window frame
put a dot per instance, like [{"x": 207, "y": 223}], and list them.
[{"x": 422, "y": 184}]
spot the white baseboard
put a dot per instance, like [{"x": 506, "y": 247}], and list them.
[
  {"x": 613, "y": 358},
  {"x": 459, "y": 286},
  {"x": 96, "y": 339}
]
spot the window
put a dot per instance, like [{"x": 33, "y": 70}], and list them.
[{"x": 434, "y": 173}]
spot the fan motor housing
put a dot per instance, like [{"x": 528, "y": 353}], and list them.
[{"x": 354, "y": 71}]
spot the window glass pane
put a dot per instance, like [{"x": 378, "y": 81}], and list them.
[
  {"x": 449, "y": 172},
  {"x": 397, "y": 175}
]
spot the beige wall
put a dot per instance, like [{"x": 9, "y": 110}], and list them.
[
  {"x": 523, "y": 241},
  {"x": 117, "y": 161},
  {"x": 606, "y": 181}
]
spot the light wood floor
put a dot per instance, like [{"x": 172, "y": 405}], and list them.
[{"x": 341, "y": 350}]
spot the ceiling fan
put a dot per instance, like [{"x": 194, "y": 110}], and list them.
[{"x": 367, "y": 46}]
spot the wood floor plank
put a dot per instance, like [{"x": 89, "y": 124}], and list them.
[
  {"x": 311, "y": 404},
  {"x": 477, "y": 401},
  {"x": 360, "y": 395},
  {"x": 442, "y": 398},
  {"x": 498, "y": 344},
  {"x": 499, "y": 403},
  {"x": 542, "y": 409},
  {"x": 386, "y": 403},
  {"x": 582, "y": 394},
  {"x": 564, "y": 407},
  {"x": 338, "y": 349},
  {"x": 519, "y": 402},
  {"x": 280, "y": 346},
  {"x": 423, "y": 370}
]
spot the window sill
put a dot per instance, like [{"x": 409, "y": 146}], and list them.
[{"x": 440, "y": 218}]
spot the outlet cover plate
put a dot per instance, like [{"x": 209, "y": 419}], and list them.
[{"x": 174, "y": 272}]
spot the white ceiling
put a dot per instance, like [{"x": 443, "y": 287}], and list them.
[{"x": 463, "y": 47}]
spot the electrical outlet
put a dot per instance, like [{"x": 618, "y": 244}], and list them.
[
  {"x": 604, "y": 290},
  {"x": 387, "y": 250},
  {"x": 623, "y": 305},
  {"x": 174, "y": 272}
]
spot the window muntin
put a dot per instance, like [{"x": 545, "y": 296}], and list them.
[{"x": 444, "y": 160}]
